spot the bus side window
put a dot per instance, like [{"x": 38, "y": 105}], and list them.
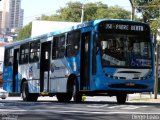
[
  {"x": 73, "y": 39},
  {"x": 55, "y": 47},
  {"x": 34, "y": 51},
  {"x": 61, "y": 46},
  {"x": 24, "y": 53},
  {"x": 58, "y": 49}
]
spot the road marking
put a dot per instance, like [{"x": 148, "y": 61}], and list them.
[
  {"x": 127, "y": 107},
  {"x": 118, "y": 106},
  {"x": 97, "y": 106},
  {"x": 1, "y": 104},
  {"x": 132, "y": 107},
  {"x": 37, "y": 111}
]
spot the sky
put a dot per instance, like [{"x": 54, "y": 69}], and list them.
[{"x": 35, "y": 8}]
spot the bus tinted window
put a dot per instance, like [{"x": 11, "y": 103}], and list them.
[
  {"x": 34, "y": 51},
  {"x": 24, "y": 53},
  {"x": 73, "y": 39},
  {"x": 55, "y": 47},
  {"x": 58, "y": 50},
  {"x": 61, "y": 47},
  {"x": 8, "y": 57},
  {"x": 127, "y": 50}
]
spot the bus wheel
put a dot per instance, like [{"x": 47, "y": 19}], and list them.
[
  {"x": 77, "y": 96},
  {"x": 34, "y": 96},
  {"x": 121, "y": 98},
  {"x": 64, "y": 97},
  {"x": 26, "y": 96}
]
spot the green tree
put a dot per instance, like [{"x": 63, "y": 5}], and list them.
[
  {"x": 148, "y": 8},
  {"x": 114, "y": 12},
  {"x": 94, "y": 11},
  {"x": 72, "y": 12},
  {"x": 155, "y": 24},
  {"x": 25, "y": 32},
  {"x": 150, "y": 12}
]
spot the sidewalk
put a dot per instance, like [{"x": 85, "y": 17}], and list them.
[
  {"x": 138, "y": 97},
  {"x": 143, "y": 97}
]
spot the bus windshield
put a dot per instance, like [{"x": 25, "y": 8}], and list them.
[{"x": 125, "y": 50}]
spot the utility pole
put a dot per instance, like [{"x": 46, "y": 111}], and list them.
[
  {"x": 156, "y": 77},
  {"x": 133, "y": 9},
  {"x": 82, "y": 13},
  {"x": 157, "y": 64}
]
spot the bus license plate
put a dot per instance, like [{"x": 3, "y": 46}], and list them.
[{"x": 130, "y": 84}]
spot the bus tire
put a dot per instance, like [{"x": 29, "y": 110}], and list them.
[
  {"x": 34, "y": 96},
  {"x": 64, "y": 97},
  {"x": 121, "y": 98},
  {"x": 77, "y": 96},
  {"x": 26, "y": 96}
]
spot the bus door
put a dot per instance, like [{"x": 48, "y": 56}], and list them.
[
  {"x": 15, "y": 70},
  {"x": 45, "y": 66},
  {"x": 85, "y": 61}
]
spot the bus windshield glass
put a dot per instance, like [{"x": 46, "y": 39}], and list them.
[{"x": 123, "y": 47}]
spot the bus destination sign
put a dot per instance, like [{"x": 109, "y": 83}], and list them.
[{"x": 110, "y": 26}]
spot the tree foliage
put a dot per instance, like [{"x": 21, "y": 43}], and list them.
[
  {"x": 155, "y": 25},
  {"x": 72, "y": 13},
  {"x": 117, "y": 13},
  {"x": 150, "y": 12},
  {"x": 148, "y": 8},
  {"x": 25, "y": 32}
]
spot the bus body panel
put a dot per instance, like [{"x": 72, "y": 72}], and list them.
[
  {"x": 7, "y": 79},
  {"x": 58, "y": 85},
  {"x": 34, "y": 77},
  {"x": 58, "y": 76},
  {"x": 131, "y": 86},
  {"x": 24, "y": 71}
]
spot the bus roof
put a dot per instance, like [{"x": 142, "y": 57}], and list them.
[{"x": 79, "y": 26}]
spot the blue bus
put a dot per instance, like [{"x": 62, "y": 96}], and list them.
[{"x": 101, "y": 57}]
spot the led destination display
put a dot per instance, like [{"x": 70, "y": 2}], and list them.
[{"x": 123, "y": 27}]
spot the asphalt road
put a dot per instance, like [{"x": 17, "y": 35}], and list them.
[{"x": 48, "y": 109}]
